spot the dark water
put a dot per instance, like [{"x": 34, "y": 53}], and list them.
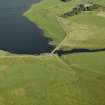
[{"x": 17, "y": 34}]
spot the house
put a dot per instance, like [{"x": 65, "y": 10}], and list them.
[{"x": 88, "y": 6}]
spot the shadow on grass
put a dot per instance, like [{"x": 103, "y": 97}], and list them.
[{"x": 74, "y": 51}]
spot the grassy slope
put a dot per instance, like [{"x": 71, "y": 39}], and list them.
[
  {"x": 35, "y": 81},
  {"x": 93, "y": 61},
  {"x": 90, "y": 70},
  {"x": 47, "y": 11},
  {"x": 87, "y": 31},
  {"x": 83, "y": 29},
  {"x": 47, "y": 80}
]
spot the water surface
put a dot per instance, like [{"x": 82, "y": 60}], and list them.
[{"x": 17, "y": 34}]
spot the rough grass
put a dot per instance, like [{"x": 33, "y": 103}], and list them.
[
  {"x": 90, "y": 69},
  {"x": 48, "y": 80},
  {"x": 85, "y": 30},
  {"x": 92, "y": 61},
  {"x": 35, "y": 81},
  {"x": 45, "y": 15},
  {"x": 76, "y": 79}
]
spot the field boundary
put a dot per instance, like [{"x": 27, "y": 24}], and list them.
[
  {"x": 25, "y": 56},
  {"x": 66, "y": 35}
]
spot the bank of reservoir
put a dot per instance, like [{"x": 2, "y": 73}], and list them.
[{"x": 17, "y": 34}]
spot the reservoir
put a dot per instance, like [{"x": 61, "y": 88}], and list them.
[{"x": 17, "y": 34}]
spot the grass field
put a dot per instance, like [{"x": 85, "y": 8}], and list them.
[
  {"x": 90, "y": 69},
  {"x": 76, "y": 79},
  {"x": 45, "y": 15},
  {"x": 34, "y": 80},
  {"x": 85, "y": 30},
  {"x": 92, "y": 61},
  {"x": 47, "y": 79}
]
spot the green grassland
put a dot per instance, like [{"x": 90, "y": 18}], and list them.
[
  {"x": 76, "y": 79},
  {"x": 47, "y": 79},
  {"x": 90, "y": 70},
  {"x": 45, "y": 15},
  {"x": 92, "y": 61},
  {"x": 50, "y": 80},
  {"x": 85, "y": 30},
  {"x": 27, "y": 80}
]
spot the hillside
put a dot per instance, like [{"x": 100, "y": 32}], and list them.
[
  {"x": 82, "y": 31},
  {"x": 26, "y": 80},
  {"x": 76, "y": 77},
  {"x": 46, "y": 79},
  {"x": 86, "y": 30}
]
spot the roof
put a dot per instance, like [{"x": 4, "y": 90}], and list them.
[{"x": 88, "y": 5}]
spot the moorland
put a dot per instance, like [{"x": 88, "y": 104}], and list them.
[{"x": 76, "y": 76}]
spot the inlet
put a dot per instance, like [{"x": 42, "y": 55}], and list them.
[{"x": 17, "y": 34}]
